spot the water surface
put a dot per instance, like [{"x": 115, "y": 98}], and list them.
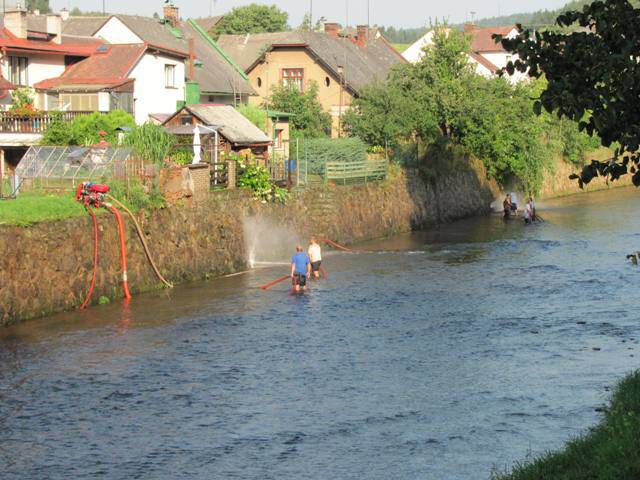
[{"x": 444, "y": 355}]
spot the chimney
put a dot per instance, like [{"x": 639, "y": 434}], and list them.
[
  {"x": 54, "y": 27},
  {"x": 362, "y": 35},
  {"x": 332, "y": 29},
  {"x": 64, "y": 14},
  {"x": 172, "y": 14},
  {"x": 16, "y": 22}
]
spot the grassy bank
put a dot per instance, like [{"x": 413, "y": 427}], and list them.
[
  {"x": 30, "y": 208},
  {"x": 610, "y": 451}
]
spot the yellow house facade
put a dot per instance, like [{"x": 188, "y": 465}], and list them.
[{"x": 339, "y": 65}]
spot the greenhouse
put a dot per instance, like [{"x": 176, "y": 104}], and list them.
[{"x": 63, "y": 168}]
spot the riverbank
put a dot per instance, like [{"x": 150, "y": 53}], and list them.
[
  {"x": 608, "y": 452},
  {"x": 48, "y": 265}
]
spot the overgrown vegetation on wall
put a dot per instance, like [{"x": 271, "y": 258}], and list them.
[{"x": 441, "y": 97}]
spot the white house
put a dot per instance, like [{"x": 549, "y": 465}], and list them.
[{"x": 487, "y": 56}]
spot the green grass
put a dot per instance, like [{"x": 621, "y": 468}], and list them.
[
  {"x": 401, "y": 47},
  {"x": 610, "y": 451},
  {"x": 34, "y": 207}
]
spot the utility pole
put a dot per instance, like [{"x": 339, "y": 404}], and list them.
[
  {"x": 368, "y": 13},
  {"x": 104, "y": 10}
]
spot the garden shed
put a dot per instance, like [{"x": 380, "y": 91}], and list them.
[{"x": 235, "y": 132}]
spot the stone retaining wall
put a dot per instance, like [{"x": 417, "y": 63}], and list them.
[{"x": 47, "y": 267}]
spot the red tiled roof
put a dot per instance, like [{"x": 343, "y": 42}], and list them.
[
  {"x": 13, "y": 43},
  {"x": 484, "y": 62},
  {"x": 481, "y": 38},
  {"x": 110, "y": 65}
]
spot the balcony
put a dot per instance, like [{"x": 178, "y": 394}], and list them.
[{"x": 38, "y": 123}]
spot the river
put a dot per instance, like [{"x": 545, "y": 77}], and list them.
[{"x": 444, "y": 355}]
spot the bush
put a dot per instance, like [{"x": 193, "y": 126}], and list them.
[
  {"x": 256, "y": 178},
  {"x": 85, "y": 130},
  {"x": 135, "y": 195},
  {"x": 256, "y": 115},
  {"x": 317, "y": 152}
]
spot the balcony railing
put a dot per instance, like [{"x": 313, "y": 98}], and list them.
[{"x": 37, "y": 123}]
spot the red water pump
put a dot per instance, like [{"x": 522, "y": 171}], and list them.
[{"x": 91, "y": 194}]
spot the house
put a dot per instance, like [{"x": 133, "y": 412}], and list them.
[
  {"x": 339, "y": 64},
  {"x": 487, "y": 56},
  {"x": 34, "y": 48},
  {"x": 232, "y": 130},
  {"x": 218, "y": 78}
]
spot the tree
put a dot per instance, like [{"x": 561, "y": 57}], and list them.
[
  {"x": 593, "y": 77},
  {"x": 305, "y": 26},
  {"x": 309, "y": 120},
  {"x": 252, "y": 18},
  {"x": 42, "y": 5}
]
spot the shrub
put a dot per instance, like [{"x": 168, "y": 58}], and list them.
[
  {"x": 317, "y": 152},
  {"x": 256, "y": 115},
  {"x": 256, "y": 179},
  {"x": 151, "y": 142},
  {"x": 85, "y": 130}
]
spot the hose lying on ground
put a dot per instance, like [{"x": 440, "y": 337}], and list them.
[{"x": 143, "y": 240}]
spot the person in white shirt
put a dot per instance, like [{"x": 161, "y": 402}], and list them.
[{"x": 315, "y": 255}]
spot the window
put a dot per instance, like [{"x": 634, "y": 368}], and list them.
[
  {"x": 293, "y": 77},
  {"x": 79, "y": 102},
  {"x": 186, "y": 120},
  {"x": 18, "y": 70},
  {"x": 259, "y": 82},
  {"x": 327, "y": 81},
  {"x": 170, "y": 76}
]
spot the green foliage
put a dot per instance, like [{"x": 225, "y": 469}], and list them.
[
  {"x": 103, "y": 300},
  {"x": 253, "y": 18},
  {"x": 256, "y": 178},
  {"x": 441, "y": 97},
  {"x": 42, "y": 5},
  {"x": 317, "y": 152},
  {"x": 85, "y": 129},
  {"x": 608, "y": 452},
  {"x": 310, "y": 120},
  {"x": 136, "y": 196},
  {"x": 151, "y": 142},
  {"x": 403, "y": 35},
  {"x": 592, "y": 78},
  {"x": 22, "y": 97},
  {"x": 183, "y": 156},
  {"x": 256, "y": 115},
  {"x": 383, "y": 115}
]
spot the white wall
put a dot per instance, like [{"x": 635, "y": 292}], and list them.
[
  {"x": 40, "y": 67},
  {"x": 150, "y": 94},
  {"x": 114, "y": 31},
  {"x": 104, "y": 101}
]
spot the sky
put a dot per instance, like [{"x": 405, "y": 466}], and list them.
[{"x": 397, "y": 13}]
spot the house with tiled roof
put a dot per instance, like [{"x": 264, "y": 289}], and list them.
[
  {"x": 34, "y": 49},
  {"x": 340, "y": 64},
  {"x": 487, "y": 56},
  {"x": 219, "y": 79}
]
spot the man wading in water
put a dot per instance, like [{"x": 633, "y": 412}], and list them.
[
  {"x": 300, "y": 269},
  {"x": 315, "y": 255}
]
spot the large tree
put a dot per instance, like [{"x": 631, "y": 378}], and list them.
[
  {"x": 252, "y": 18},
  {"x": 593, "y": 76}
]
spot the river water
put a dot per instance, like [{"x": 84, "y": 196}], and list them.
[{"x": 445, "y": 355}]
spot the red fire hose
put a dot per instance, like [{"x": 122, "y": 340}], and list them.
[
  {"x": 123, "y": 250},
  {"x": 95, "y": 259}
]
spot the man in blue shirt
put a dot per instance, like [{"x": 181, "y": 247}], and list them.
[{"x": 300, "y": 269}]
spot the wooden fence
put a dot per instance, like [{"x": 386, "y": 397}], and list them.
[{"x": 354, "y": 172}]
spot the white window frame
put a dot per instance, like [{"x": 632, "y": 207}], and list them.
[{"x": 169, "y": 75}]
